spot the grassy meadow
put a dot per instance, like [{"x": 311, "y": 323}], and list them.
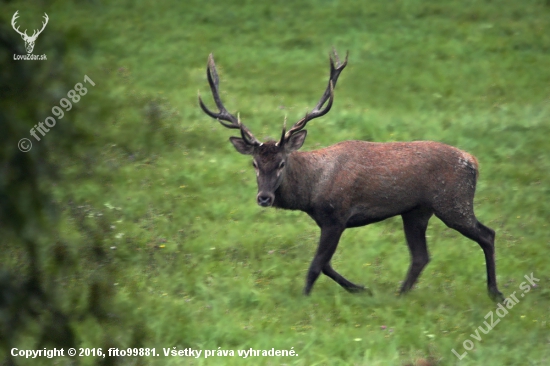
[{"x": 194, "y": 262}]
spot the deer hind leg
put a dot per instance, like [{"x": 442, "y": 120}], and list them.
[
  {"x": 468, "y": 225},
  {"x": 330, "y": 236},
  {"x": 415, "y": 223}
]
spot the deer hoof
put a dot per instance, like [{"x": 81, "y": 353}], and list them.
[
  {"x": 359, "y": 289},
  {"x": 496, "y": 295}
]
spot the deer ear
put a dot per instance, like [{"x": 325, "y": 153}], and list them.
[
  {"x": 296, "y": 141},
  {"x": 242, "y": 146}
]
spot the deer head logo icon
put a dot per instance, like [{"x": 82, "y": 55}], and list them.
[{"x": 29, "y": 40}]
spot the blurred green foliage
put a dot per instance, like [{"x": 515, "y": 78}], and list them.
[{"x": 133, "y": 222}]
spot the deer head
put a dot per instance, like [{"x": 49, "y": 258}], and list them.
[
  {"x": 29, "y": 40},
  {"x": 270, "y": 158}
]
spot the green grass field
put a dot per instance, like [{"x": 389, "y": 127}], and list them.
[{"x": 194, "y": 262}]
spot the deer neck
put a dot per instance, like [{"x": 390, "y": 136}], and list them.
[{"x": 296, "y": 189}]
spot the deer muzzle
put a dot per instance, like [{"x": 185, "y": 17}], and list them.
[{"x": 265, "y": 199}]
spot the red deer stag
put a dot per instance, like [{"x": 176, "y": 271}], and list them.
[{"x": 355, "y": 183}]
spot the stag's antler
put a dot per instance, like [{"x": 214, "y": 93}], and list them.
[
  {"x": 335, "y": 71},
  {"x": 13, "y": 19},
  {"x": 24, "y": 34},
  {"x": 223, "y": 116},
  {"x": 43, "y": 26}
]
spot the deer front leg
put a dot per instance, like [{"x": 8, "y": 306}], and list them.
[
  {"x": 330, "y": 236},
  {"x": 347, "y": 285},
  {"x": 415, "y": 224}
]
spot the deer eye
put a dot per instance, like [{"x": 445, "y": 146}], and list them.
[{"x": 282, "y": 164}]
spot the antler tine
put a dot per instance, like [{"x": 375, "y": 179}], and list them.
[
  {"x": 34, "y": 33},
  {"x": 223, "y": 116},
  {"x": 13, "y": 21},
  {"x": 247, "y": 136},
  {"x": 214, "y": 81},
  {"x": 282, "y": 140},
  {"x": 315, "y": 113},
  {"x": 44, "y": 23},
  {"x": 318, "y": 111},
  {"x": 334, "y": 74}
]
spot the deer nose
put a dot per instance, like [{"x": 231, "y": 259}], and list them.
[{"x": 264, "y": 200}]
